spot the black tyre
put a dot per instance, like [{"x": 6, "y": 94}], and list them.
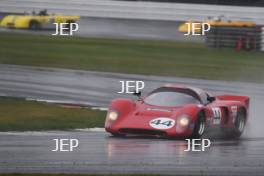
[
  {"x": 118, "y": 135},
  {"x": 199, "y": 126},
  {"x": 68, "y": 25},
  {"x": 34, "y": 25},
  {"x": 239, "y": 124}
]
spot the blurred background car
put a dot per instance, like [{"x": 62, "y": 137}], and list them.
[
  {"x": 35, "y": 21},
  {"x": 216, "y": 21}
]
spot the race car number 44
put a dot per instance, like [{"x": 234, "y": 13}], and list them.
[{"x": 162, "y": 123}]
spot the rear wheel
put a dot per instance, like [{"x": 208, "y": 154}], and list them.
[
  {"x": 68, "y": 25},
  {"x": 199, "y": 126},
  {"x": 239, "y": 124},
  {"x": 34, "y": 25}
]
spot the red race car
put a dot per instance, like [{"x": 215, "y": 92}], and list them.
[{"x": 177, "y": 111}]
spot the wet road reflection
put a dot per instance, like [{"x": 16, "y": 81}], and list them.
[
  {"x": 246, "y": 155},
  {"x": 100, "y": 153}
]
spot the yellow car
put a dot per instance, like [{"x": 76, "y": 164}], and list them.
[
  {"x": 184, "y": 27},
  {"x": 35, "y": 21}
]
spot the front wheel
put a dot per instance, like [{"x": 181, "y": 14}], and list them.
[
  {"x": 118, "y": 135},
  {"x": 34, "y": 25},
  {"x": 199, "y": 126}
]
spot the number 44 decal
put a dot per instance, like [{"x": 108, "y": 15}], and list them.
[
  {"x": 162, "y": 123},
  {"x": 217, "y": 115},
  {"x": 159, "y": 122}
]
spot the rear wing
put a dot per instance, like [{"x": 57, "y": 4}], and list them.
[{"x": 243, "y": 99}]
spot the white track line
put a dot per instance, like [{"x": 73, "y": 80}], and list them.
[{"x": 44, "y": 133}]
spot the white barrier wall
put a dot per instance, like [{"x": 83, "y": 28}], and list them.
[{"x": 134, "y": 10}]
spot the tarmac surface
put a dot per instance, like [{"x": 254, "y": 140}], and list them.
[
  {"x": 124, "y": 29},
  {"x": 134, "y": 29},
  {"x": 100, "y": 153}
]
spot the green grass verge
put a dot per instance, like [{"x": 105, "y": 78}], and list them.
[
  {"x": 132, "y": 56},
  {"x": 21, "y": 115}
]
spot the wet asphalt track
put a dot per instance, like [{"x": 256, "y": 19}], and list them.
[
  {"x": 99, "y": 153},
  {"x": 135, "y": 29},
  {"x": 123, "y": 28}
]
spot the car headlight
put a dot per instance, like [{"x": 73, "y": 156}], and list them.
[
  {"x": 183, "y": 120},
  {"x": 112, "y": 115}
]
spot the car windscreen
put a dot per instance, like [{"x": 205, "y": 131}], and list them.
[{"x": 170, "y": 98}]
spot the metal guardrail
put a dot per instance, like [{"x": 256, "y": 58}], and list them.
[
  {"x": 241, "y": 38},
  {"x": 247, "y": 3},
  {"x": 135, "y": 10},
  {"x": 262, "y": 39}
]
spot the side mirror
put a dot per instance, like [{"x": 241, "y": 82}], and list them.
[
  {"x": 138, "y": 94},
  {"x": 211, "y": 99}
]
